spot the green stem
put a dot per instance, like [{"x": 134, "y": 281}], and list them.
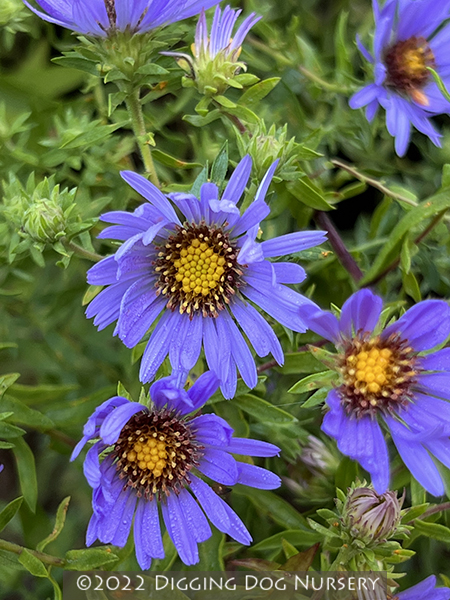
[
  {"x": 134, "y": 107},
  {"x": 79, "y": 251},
  {"x": 373, "y": 183},
  {"x": 377, "y": 185},
  {"x": 45, "y": 558},
  {"x": 431, "y": 511},
  {"x": 329, "y": 87}
]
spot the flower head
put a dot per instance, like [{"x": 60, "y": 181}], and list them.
[
  {"x": 151, "y": 459},
  {"x": 199, "y": 273},
  {"x": 385, "y": 376},
  {"x": 103, "y": 17},
  {"x": 216, "y": 53},
  {"x": 405, "y": 45},
  {"x": 369, "y": 516},
  {"x": 424, "y": 590}
]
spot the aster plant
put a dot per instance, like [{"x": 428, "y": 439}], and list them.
[
  {"x": 408, "y": 39},
  {"x": 201, "y": 274},
  {"x": 150, "y": 459},
  {"x": 386, "y": 379}
]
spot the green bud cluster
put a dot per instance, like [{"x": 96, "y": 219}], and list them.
[
  {"x": 267, "y": 145},
  {"x": 37, "y": 216}
]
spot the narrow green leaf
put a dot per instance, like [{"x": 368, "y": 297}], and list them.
[
  {"x": 225, "y": 102},
  {"x": 27, "y": 472},
  {"x": 9, "y": 431},
  {"x": 220, "y": 165},
  {"x": 6, "y": 445},
  {"x": 88, "y": 559},
  {"x": 309, "y": 194},
  {"x": 262, "y": 410},
  {"x": 198, "y": 121},
  {"x": 171, "y": 161},
  {"x": 6, "y": 381},
  {"x": 300, "y": 538},
  {"x": 79, "y": 63},
  {"x": 59, "y": 524},
  {"x": 32, "y": 564},
  {"x": 96, "y": 135},
  {"x": 9, "y": 512},
  {"x": 312, "y": 382},
  {"x": 300, "y": 362},
  {"x": 39, "y": 394},
  {"x": 276, "y": 507},
  {"x": 411, "y": 286},
  {"x": 258, "y": 91},
  {"x": 23, "y": 415},
  {"x": 433, "y": 530},
  {"x": 152, "y": 69}
]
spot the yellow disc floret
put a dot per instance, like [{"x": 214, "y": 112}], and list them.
[
  {"x": 199, "y": 269},
  {"x": 150, "y": 455},
  {"x": 377, "y": 373},
  {"x": 372, "y": 368}
]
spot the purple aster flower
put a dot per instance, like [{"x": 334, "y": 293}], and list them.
[
  {"x": 385, "y": 376},
  {"x": 100, "y": 17},
  {"x": 405, "y": 44},
  {"x": 201, "y": 274},
  {"x": 221, "y": 40},
  {"x": 147, "y": 460},
  {"x": 424, "y": 590}
]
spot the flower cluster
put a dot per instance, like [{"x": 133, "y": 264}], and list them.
[
  {"x": 408, "y": 40},
  {"x": 194, "y": 273}
]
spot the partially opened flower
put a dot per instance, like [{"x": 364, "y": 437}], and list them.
[
  {"x": 216, "y": 54},
  {"x": 201, "y": 273},
  {"x": 103, "y": 17},
  {"x": 424, "y": 590},
  {"x": 147, "y": 460},
  {"x": 405, "y": 45},
  {"x": 385, "y": 377}
]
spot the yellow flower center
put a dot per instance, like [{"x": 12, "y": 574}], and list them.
[
  {"x": 155, "y": 452},
  {"x": 199, "y": 268},
  {"x": 151, "y": 454},
  {"x": 371, "y": 369},
  {"x": 376, "y": 373}
]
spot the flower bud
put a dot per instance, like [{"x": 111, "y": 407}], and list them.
[
  {"x": 369, "y": 516},
  {"x": 215, "y": 63},
  {"x": 266, "y": 146},
  {"x": 44, "y": 221}
]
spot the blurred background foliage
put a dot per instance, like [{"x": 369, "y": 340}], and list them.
[{"x": 64, "y": 137}]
